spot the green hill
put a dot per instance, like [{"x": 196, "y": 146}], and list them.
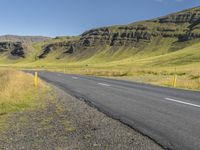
[
  {"x": 138, "y": 40},
  {"x": 151, "y": 47}
]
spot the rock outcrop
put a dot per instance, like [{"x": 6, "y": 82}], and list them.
[
  {"x": 65, "y": 47},
  {"x": 183, "y": 25},
  {"x": 13, "y": 48}
]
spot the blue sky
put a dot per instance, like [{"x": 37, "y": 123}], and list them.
[{"x": 72, "y": 17}]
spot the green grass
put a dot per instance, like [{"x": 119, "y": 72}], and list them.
[{"x": 18, "y": 94}]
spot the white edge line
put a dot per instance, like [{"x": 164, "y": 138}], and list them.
[
  {"x": 104, "y": 84},
  {"x": 186, "y": 103},
  {"x": 74, "y": 77}
]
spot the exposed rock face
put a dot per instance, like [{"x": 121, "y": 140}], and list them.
[
  {"x": 4, "y": 46},
  {"x": 190, "y": 19},
  {"x": 70, "y": 50},
  {"x": 92, "y": 37},
  {"x": 67, "y": 47},
  {"x": 17, "y": 46},
  {"x": 187, "y": 16},
  {"x": 193, "y": 31},
  {"x": 14, "y": 48},
  {"x": 124, "y": 35},
  {"x": 182, "y": 25}
]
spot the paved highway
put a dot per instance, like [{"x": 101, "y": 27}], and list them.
[{"x": 169, "y": 116}]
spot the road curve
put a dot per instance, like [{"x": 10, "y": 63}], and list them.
[{"x": 169, "y": 116}]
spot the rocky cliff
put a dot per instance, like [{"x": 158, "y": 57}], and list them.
[
  {"x": 18, "y": 46},
  {"x": 13, "y": 48},
  {"x": 184, "y": 25}
]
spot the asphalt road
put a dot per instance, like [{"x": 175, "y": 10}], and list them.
[{"x": 169, "y": 116}]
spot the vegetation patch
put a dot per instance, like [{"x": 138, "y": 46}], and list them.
[
  {"x": 18, "y": 93},
  {"x": 31, "y": 117}
]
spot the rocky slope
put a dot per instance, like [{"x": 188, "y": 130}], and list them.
[
  {"x": 181, "y": 26},
  {"x": 13, "y": 48},
  {"x": 18, "y": 46}
]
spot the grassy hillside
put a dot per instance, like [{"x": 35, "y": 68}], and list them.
[
  {"x": 148, "y": 51},
  {"x": 138, "y": 40}
]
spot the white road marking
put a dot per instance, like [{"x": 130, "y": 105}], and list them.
[
  {"x": 59, "y": 75},
  {"x": 75, "y": 77},
  {"x": 104, "y": 84},
  {"x": 186, "y": 103}
]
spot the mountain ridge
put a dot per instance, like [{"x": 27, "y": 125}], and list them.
[
  {"x": 153, "y": 37},
  {"x": 25, "y": 39}
]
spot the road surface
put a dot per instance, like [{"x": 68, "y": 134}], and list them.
[{"x": 169, "y": 116}]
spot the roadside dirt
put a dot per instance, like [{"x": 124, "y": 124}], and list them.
[{"x": 65, "y": 123}]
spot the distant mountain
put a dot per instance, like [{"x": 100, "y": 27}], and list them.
[{"x": 25, "y": 39}]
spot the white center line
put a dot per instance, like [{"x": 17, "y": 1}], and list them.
[
  {"x": 104, "y": 84},
  {"x": 186, "y": 103},
  {"x": 75, "y": 77}
]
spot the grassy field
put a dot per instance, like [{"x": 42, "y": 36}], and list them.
[{"x": 188, "y": 77}]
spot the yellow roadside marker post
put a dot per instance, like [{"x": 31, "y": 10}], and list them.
[
  {"x": 36, "y": 79},
  {"x": 174, "y": 81}
]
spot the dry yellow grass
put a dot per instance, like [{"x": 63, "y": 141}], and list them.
[
  {"x": 17, "y": 91},
  {"x": 188, "y": 77}
]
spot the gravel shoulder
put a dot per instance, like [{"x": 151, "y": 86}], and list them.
[{"x": 66, "y": 123}]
